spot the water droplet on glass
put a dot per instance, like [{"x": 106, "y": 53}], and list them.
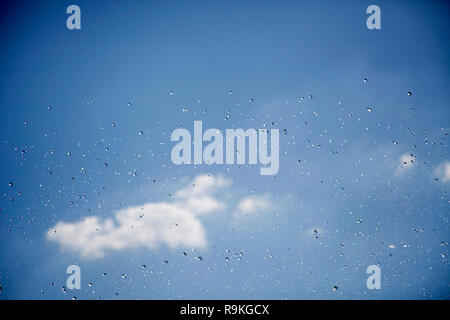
[{"x": 369, "y": 109}]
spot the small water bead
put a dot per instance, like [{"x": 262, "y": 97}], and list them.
[
  {"x": 113, "y": 124},
  {"x": 124, "y": 276},
  {"x": 69, "y": 153},
  {"x": 369, "y": 109},
  {"x": 365, "y": 80},
  {"x": 251, "y": 100},
  {"x": 310, "y": 96},
  {"x": 171, "y": 92},
  {"x": 10, "y": 184},
  {"x": 63, "y": 289},
  {"x": 141, "y": 132},
  {"x": 185, "y": 110},
  {"x": 230, "y": 91},
  {"x": 26, "y": 122},
  {"x": 409, "y": 93},
  {"x": 129, "y": 104},
  {"x": 335, "y": 288}
]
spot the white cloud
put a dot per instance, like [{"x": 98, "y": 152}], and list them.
[
  {"x": 253, "y": 206},
  {"x": 405, "y": 162},
  {"x": 174, "y": 224},
  {"x": 313, "y": 232},
  {"x": 442, "y": 171}
]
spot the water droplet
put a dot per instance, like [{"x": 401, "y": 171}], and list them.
[
  {"x": 129, "y": 104},
  {"x": 141, "y": 132},
  {"x": 10, "y": 184},
  {"x": 124, "y": 275},
  {"x": 69, "y": 153},
  {"x": 185, "y": 110},
  {"x": 63, "y": 289},
  {"x": 171, "y": 92},
  {"x": 335, "y": 288},
  {"x": 369, "y": 109},
  {"x": 26, "y": 122},
  {"x": 365, "y": 80},
  {"x": 409, "y": 93}
]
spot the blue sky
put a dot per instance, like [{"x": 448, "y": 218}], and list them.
[{"x": 73, "y": 103}]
